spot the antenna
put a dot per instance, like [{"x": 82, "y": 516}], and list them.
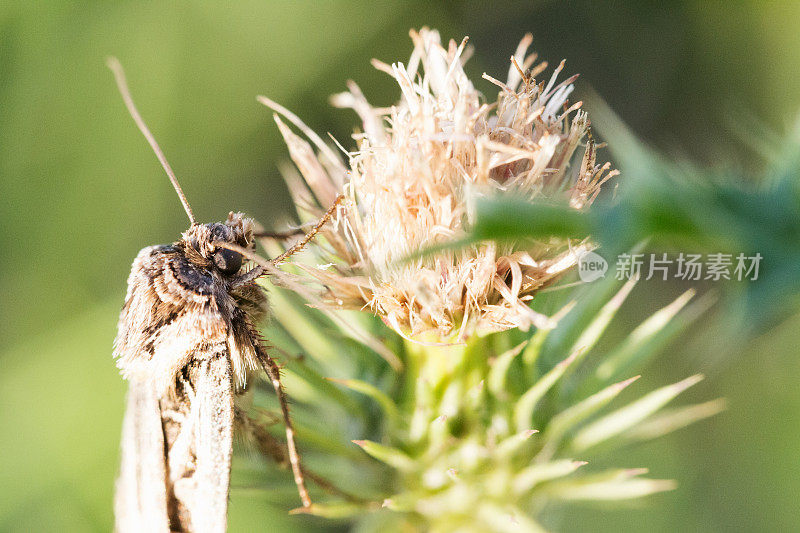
[{"x": 119, "y": 75}]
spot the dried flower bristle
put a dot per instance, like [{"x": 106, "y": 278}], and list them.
[{"x": 414, "y": 177}]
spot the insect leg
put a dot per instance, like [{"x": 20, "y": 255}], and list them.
[
  {"x": 272, "y": 448},
  {"x": 313, "y": 231},
  {"x": 273, "y": 372}
]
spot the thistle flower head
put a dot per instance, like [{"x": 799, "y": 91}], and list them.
[
  {"x": 479, "y": 435},
  {"x": 411, "y": 183}
]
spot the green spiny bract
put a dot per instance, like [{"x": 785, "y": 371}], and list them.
[{"x": 480, "y": 436}]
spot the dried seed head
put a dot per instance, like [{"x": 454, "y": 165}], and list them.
[{"x": 413, "y": 179}]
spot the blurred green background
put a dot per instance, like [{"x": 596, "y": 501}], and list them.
[{"x": 81, "y": 193}]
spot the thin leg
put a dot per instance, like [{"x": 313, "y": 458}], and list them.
[
  {"x": 260, "y": 270},
  {"x": 273, "y": 372},
  {"x": 272, "y": 448},
  {"x": 313, "y": 231}
]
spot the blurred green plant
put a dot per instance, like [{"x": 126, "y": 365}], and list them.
[{"x": 676, "y": 205}]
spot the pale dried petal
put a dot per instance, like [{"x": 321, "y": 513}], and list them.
[{"x": 413, "y": 179}]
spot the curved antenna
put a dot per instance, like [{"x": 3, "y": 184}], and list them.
[{"x": 119, "y": 75}]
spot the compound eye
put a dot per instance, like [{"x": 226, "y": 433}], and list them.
[{"x": 228, "y": 262}]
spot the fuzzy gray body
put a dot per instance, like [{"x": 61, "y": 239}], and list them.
[{"x": 186, "y": 343}]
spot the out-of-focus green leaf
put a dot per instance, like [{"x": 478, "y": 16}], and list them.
[
  {"x": 306, "y": 333},
  {"x": 511, "y": 444},
  {"x": 507, "y": 519},
  {"x": 386, "y": 454},
  {"x": 571, "y": 417},
  {"x": 645, "y": 339},
  {"x": 612, "y": 490},
  {"x": 626, "y": 417},
  {"x": 523, "y": 410},
  {"x": 593, "y": 298},
  {"x": 387, "y": 405},
  {"x": 673, "y": 419},
  {"x": 526, "y": 479},
  {"x": 600, "y": 322},
  {"x": 500, "y": 366},
  {"x": 515, "y": 219},
  {"x": 335, "y": 510}
]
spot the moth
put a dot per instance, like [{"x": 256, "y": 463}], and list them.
[{"x": 188, "y": 345}]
